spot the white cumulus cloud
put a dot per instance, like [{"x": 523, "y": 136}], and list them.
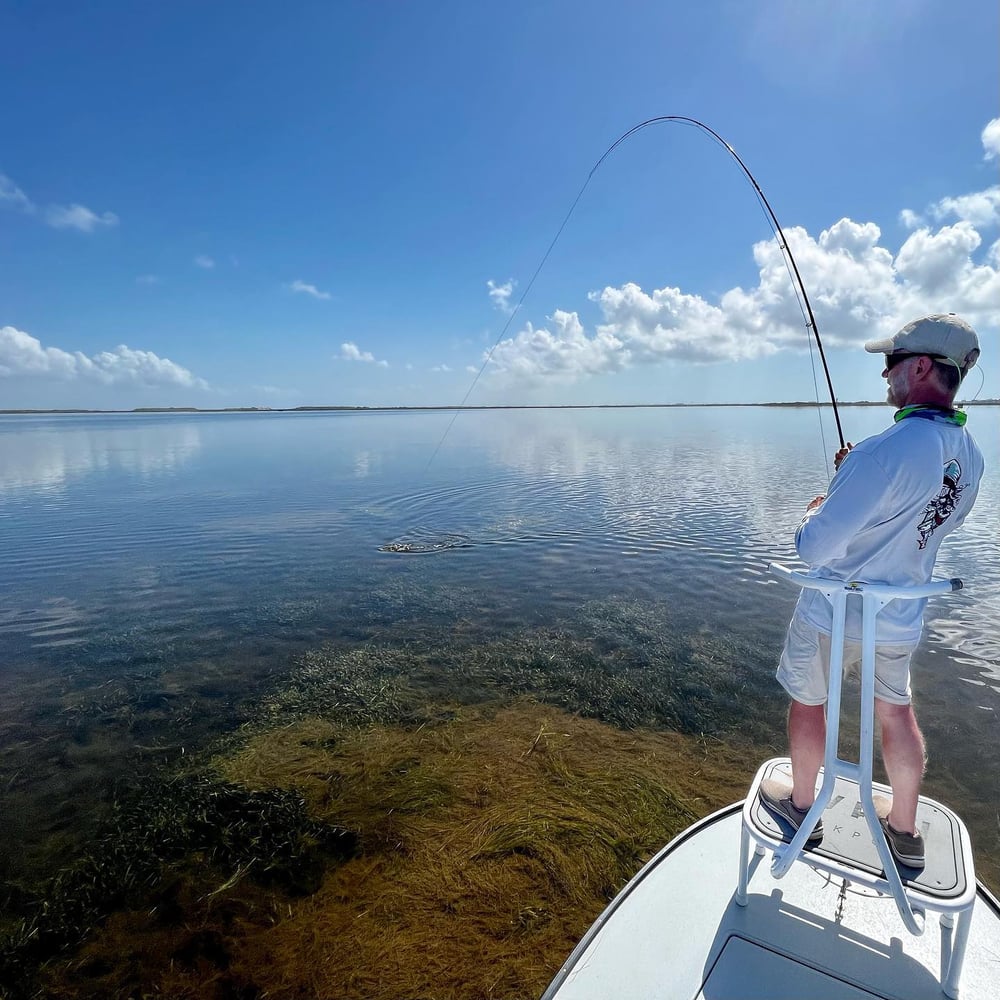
[
  {"x": 565, "y": 350},
  {"x": 858, "y": 288},
  {"x": 304, "y": 288},
  {"x": 934, "y": 262},
  {"x": 981, "y": 208},
  {"x": 57, "y": 216},
  {"x": 500, "y": 294},
  {"x": 204, "y": 262},
  {"x": 78, "y": 217},
  {"x": 350, "y": 351},
  {"x": 12, "y": 196},
  {"x": 24, "y": 355},
  {"x": 991, "y": 139}
]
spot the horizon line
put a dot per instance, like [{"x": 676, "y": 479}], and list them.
[{"x": 31, "y": 411}]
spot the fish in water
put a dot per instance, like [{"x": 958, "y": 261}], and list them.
[{"x": 432, "y": 543}]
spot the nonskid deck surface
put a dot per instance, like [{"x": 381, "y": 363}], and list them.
[
  {"x": 846, "y": 838},
  {"x": 676, "y": 932}
]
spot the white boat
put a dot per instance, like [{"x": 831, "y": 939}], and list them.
[{"x": 707, "y": 919}]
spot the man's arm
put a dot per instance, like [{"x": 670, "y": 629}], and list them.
[{"x": 855, "y": 500}]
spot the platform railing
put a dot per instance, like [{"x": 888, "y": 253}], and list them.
[{"x": 873, "y": 597}]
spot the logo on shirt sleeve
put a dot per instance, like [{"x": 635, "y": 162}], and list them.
[{"x": 941, "y": 507}]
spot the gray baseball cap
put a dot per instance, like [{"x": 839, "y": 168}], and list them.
[{"x": 944, "y": 336}]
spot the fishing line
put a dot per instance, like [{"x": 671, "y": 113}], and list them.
[
  {"x": 790, "y": 265},
  {"x": 515, "y": 310},
  {"x": 982, "y": 382}
]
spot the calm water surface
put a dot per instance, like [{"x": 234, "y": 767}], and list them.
[{"x": 183, "y": 560}]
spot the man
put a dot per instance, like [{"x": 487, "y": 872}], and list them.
[{"x": 890, "y": 503}]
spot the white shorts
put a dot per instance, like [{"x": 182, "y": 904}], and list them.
[{"x": 804, "y": 668}]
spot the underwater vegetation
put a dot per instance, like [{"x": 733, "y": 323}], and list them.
[
  {"x": 415, "y": 818},
  {"x": 421, "y": 814},
  {"x": 223, "y": 827},
  {"x": 486, "y": 843},
  {"x": 622, "y": 663}
]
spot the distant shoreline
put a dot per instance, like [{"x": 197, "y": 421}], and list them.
[{"x": 395, "y": 409}]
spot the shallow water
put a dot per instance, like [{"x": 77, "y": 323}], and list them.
[{"x": 158, "y": 570}]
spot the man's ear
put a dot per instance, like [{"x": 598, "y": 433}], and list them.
[{"x": 970, "y": 359}]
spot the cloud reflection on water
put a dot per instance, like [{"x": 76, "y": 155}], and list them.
[{"x": 47, "y": 456}]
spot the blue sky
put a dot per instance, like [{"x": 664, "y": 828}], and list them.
[{"x": 238, "y": 204}]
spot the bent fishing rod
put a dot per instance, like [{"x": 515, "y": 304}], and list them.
[
  {"x": 779, "y": 233},
  {"x": 797, "y": 284}
]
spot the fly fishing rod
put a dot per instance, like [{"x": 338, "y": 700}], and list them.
[
  {"x": 799, "y": 287},
  {"x": 797, "y": 284}
]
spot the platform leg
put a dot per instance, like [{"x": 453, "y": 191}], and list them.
[
  {"x": 741, "y": 888},
  {"x": 960, "y": 939}
]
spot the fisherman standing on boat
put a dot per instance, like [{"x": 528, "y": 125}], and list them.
[{"x": 890, "y": 503}]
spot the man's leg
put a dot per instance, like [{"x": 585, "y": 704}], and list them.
[
  {"x": 903, "y": 756},
  {"x": 807, "y": 743}
]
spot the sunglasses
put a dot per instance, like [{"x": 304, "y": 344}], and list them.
[{"x": 891, "y": 360}]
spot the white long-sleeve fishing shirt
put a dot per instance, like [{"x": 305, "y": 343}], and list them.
[{"x": 894, "y": 498}]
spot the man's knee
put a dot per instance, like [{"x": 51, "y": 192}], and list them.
[
  {"x": 803, "y": 708},
  {"x": 900, "y": 728},
  {"x": 894, "y": 715}
]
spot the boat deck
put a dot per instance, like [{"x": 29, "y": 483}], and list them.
[{"x": 675, "y": 931}]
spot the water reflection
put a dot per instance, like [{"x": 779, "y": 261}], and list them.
[
  {"x": 173, "y": 549},
  {"x": 665, "y": 480},
  {"x": 727, "y": 487},
  {"x": 55, "y": 622},
  {"x": 45, "y": 455}
]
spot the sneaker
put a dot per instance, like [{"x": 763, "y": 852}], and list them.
[
  {"x": 906, "y": 848},
  {"x": 790, "y": 813}
]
